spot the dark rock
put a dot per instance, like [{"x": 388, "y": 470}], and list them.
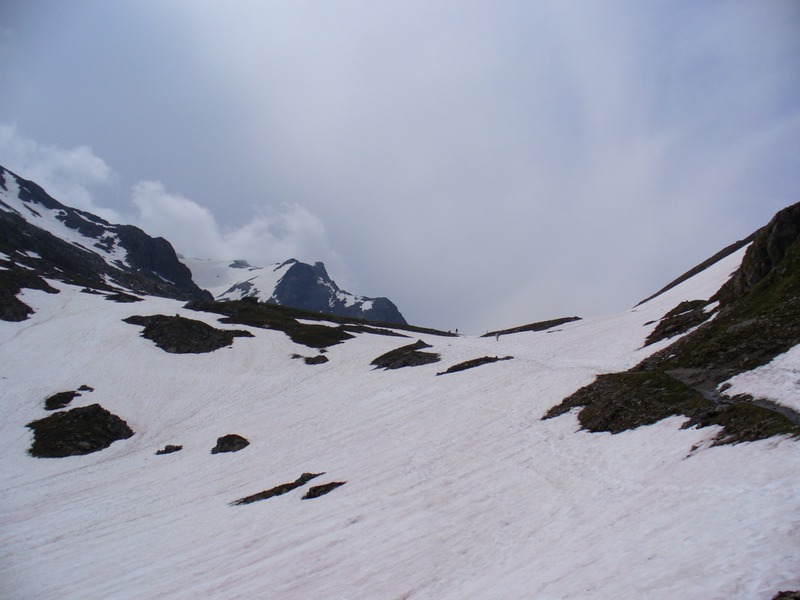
[
  {"x": 179, "y": 335},
  {"x": 321, "y": 490},
  {"x": 680, "y": 319},
  {"x": 75, "y": 432},
  {"x": 616, "y": 402},
  {"x": 407, "y": 356},
  {"x": 278, "y": 490},
  {"x": 123, "y": 297},
  {"x": 538, "y": 326},
  {"x": 787, "y": 596},
  {"x": 316, "y": 360},
  {"x": 475, "y": 362},
  {"x": 771, "y": 245},
  {"x": 12, "y": 281},
  {"x": 59, "y": 400},
  {"x": 280, "y": 318},
  {"x": 230, "y": 443},
  {"x": 169, "y": 449},
  {"x": 85, "y": 388}
]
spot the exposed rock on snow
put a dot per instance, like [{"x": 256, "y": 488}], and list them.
[
  {"x": 59, "y": 400},
  {"x": 169, "y": 449},
  {"x": 475, "y": 362},
  {"x": 278, "y": 490},
  {"x": 538, "y": 326},
  {"x": 78, "y": 431},
  {"x": 680, "y": 319},
  {"x": 179, "y": 335},
  {"x": 123, "y": 297},
  {"x": 230, "y": 443},
  {"x": 319, "y": 359},
  {"x": 254, "y": 314},
  {"x": 12, "y": 281},
  {"x": 406, "y": 356},
  {"x": 321, "y": 490}
]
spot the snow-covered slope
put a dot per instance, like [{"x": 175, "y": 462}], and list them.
[
  {"x": 236, "y": 279},
  {"x": 455, "y": 487},
  {"x": 290, "y": 283}
]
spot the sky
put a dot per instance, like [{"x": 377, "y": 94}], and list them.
[{"x": 483, "y": 164}]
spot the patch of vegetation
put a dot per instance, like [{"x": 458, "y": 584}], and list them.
[
  {"x": 680, "y": 319},
  {"x": 169, "y": 449},
  {"x": 270, "y": 316},
  {"x": 538, "y": 326},
  {"x": 123, "y": 297},
  {"x": 743, "y": 421},
  {"x": 407, "y": 356},
  {"x": 618, "y": 401},
  {"x": 321, "y": 490},
  {"x": 60, "y": 400},
  {"x": 278, "y": 490},
  {"x": 748, "y": 332},
  {"x": 230, "y": 443},
  {"x": 249, "y": 311},
  {"x": 75, "y": 432},
  {"x": 475, "y": 362},
  {"x": 795, "y": 595},
  {"x": 12, "y": 282},
  {"x": 179, "y": 335},
  {"x": 319, "y": 359}
]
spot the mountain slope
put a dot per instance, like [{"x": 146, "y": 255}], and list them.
[
  {"x": 452, "y": 485},
  {"x": 40, "y": 237},
  {"x": 290, "y": 283}
]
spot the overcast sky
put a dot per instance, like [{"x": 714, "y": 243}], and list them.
[{"x": 483, "y": 164}]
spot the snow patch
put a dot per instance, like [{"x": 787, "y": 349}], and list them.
[{"x": 778, "y": 380}]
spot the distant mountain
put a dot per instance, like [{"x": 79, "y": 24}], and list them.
[
  {"x": 290, "y": 283},
  {"x": 40, "y": 237},
  {"x": 49, "y": 239}
]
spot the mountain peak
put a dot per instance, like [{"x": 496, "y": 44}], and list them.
[{"x": 291, "y": 283}]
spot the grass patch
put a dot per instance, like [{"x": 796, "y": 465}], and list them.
[
  {"x": 75, "y": 432},
  {"x": 475, "y": 362},
  {"x": 616, "y": 402},
  {"x": 680, "y": 319},
  {"x": 407, "y": 356},
  {"x": 321, "y": 490},
  {"x": 179, "y": 335},
  {"x": 278, "y": 490},
  {"x": 538, "y": 326}
]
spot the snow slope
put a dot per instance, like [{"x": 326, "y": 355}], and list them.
[
  {"x": 455, "y": 487},
  {"x": 220, "y": 277}
]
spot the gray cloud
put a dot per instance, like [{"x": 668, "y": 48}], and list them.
[{"x": 483, "y": 164}]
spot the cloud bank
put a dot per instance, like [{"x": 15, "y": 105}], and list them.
[
  {"x": 483, "y": 164},
  {"x": 71, "y": 176}
]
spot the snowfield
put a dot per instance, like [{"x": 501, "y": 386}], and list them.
[{"x": 455, "y": 487}]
